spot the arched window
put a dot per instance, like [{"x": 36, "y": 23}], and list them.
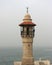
[{"x": 27, "y": 31}]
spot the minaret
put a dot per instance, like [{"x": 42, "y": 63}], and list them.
[{"x": 27, "y": 34}]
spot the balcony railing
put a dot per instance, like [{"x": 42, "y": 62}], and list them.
[{"x": 24, "y": 34}]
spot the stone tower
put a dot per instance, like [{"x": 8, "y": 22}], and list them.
[{"x": 27, "y": 34}]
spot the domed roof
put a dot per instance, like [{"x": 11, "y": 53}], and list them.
[
  {"x": 27, "y": 20},
  {"x": 27, "y": 16}
]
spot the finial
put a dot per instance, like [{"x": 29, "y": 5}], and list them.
[{"x": 27, "y": 9}]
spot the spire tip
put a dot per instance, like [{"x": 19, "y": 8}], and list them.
[{"x": 27, "y": 9}]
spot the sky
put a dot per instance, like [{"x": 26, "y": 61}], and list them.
[{"x": 11, "y": 15}]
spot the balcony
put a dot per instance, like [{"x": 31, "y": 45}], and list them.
[{"x": 29, "y": 34}]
